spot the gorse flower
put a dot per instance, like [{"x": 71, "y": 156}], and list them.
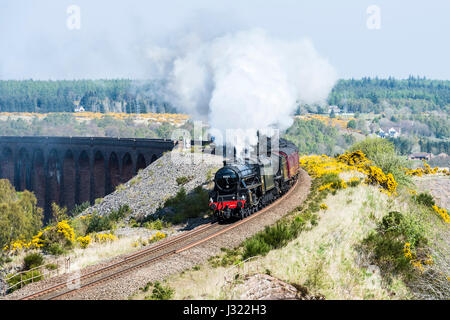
[
  {"x": 376, "y": 176},
  {"x": 425, "y": 170},
  {"x": 84, "y": 241},
  {"x": 317, "y": 166},
  {"x": 104, "y": 237},
  {"x": 443, "y": 213},
  {"x": 407, "y": 250},
  {"x": 64, "y": 228},
  {"x": 157, "y": 236}
]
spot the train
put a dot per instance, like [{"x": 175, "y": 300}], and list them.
[{"x": 242, "y": 188}]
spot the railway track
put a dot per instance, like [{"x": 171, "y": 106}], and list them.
[{"x": 141, "y": 258}]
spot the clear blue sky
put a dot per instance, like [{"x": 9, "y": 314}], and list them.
[{"x": 36, "y": 43}]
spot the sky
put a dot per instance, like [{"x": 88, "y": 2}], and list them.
[{"x": 115, "y": 38}]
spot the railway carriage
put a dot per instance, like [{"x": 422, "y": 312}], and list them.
[{"x": 241, "y": 189}]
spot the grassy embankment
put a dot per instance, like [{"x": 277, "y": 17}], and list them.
[{"x": 363, "y": 233}]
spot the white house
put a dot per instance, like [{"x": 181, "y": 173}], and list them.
[
  {"x": 394, "y": 133},
  {"x": 381, "y": 133},
  {"x": 334, "y": 108},
  {"x": 79, "y": 109}
]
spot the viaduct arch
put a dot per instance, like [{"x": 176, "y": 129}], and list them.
[{"x": 72, "y": 170}]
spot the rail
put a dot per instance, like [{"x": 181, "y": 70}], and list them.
[
  {"x": 39, "y": 273},
  {"x": 134, "y": 261}
]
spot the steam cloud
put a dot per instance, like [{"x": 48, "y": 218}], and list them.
[{"x": 245, "y": 79}]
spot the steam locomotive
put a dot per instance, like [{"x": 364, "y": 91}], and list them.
[{"x": 241, "y": 189}]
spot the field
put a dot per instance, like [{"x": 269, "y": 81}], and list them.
[{"x": 176, "y": 119}]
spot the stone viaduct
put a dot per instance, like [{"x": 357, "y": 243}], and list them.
[{"x": 73, "y": 170}]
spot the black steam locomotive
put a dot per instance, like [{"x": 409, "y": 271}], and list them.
[{"x": 241, "y": 189}]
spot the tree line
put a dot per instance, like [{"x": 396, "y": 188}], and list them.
[
  {"x": 131, "y": 96},
  {"x": 375, "y": 95},
  {"x": 119, "y": 95}
]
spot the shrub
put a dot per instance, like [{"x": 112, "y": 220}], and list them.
[
  {"x": 425, "y": 198},
  {"x": 157, "y": 224},
  {"x": 373, "y": 147},
  {"x": 79, "y": 208},
  {"x": 58, "y": 213},
  {"x": 272, "y": 237},
  {"x": 188, "y": 206},
  {"x": 391, "y": 221},
  {"x": 84, "y": 241},
  {"x": 376, "y": 176},
  {"x": 382, "y": 153},
  {"x": 121, "y": 213},
  {"x": 32, "y": 260},
  {"x": 254, "y": 247},
  {"x": 99, "y": 223},
  {"x": 51, "y": 266},
  {"x": 184, "y": 180},
  {"x": 20, "y": 217},
  {"x": 353, "y": 182},
  {"x": 54, "y": 249},
  {"x": 387, "y": 252},
  {"x": 27, "y": 277},
  {"x": 160, "y": 292},
  {"x": 231, "y": 256},
  {"x": 386, "y": 245},
  {"x": 351, "y": 124}
]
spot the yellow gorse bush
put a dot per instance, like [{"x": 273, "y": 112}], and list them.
[
  {"x": 64, "y": 228},
  {"x": 443, "y": 213},
  {"x": 20, "y": 244},
  {"x": 407, "y": 250},
  {"x": 354, "y": 159},
  {"x": 84, "y": 241},
  {"x": 105, "y": 237},
  {"x": 317, "y": 166},
  {"x": 376, "y": 176},
  {"x": 157, "y": 236},
  {"x": 416, "y": 262},
  {"x": 323, "y": 206},
  {"x": 338, "y": 121},
  {"x": 425, "y": 170}
]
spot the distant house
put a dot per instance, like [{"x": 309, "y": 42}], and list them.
[
  {"x": 420, "y": 156},
  {"x": 382, "y": 134},
  {"x": 391, "y": 133},
  {"x": 394, "y": 133},
  {"x": 334, "y": 108},
  {"x": 79, "y": 109}
]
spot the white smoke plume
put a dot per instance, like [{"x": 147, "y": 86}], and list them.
[{"x": 246, "y": 79}]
